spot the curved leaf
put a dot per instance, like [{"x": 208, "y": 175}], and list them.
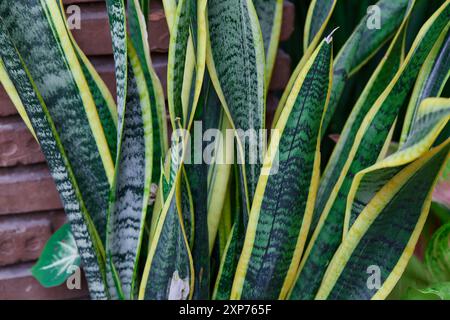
[
  {"x": 432, "y": 117},
  {"x": 430, "y": 82},
  {"x": 389, "y": 226},
  {"x": 370, "y": 141}
]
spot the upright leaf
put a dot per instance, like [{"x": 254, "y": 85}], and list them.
[
  {"x": 285, "y": 195},
  {"x": 236, "y": 65},
  {"x": 381, "y": 77},
  {"x": 319, "y": 14},
  {"x": 363, "y": 44},
  {"x": 58, "y": 77},
  {"x": 15, "y": 72},
  {"x": 270, "y": 14},
  {"x": 131, "y": 190}
]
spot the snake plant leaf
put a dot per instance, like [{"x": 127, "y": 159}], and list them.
[
  {"x": 185, "y": 202},
  {"x": 178, "y": 47},
  {"x": 205, "y": 173},
  {"x": 319, "y": 14},
  {"x": 389, "y": 225},
  {"x": 234, "y": 243},
  {"x": 371, "y": 138},
  {"x": 139, "y": 38},
  {"x": 235, "y": 61},
  {"x": 187, "y": 59},
  {"x": 118, "y": 26},
  {"x": 169, "y": 269},
  {"x": 362, "y": 45},
  {"x": 437, "y": 254},
  {"x": 219, "y": 173},
  {"x": 13, "y": 95},
  {"x": 139, "y": 152},
  {"x": 430, "y": 82},
  {"x": 131, "y": 190},
  {"x": 225, "y": 224},
  {"x": 144, "y": 4},
  {"x": 381, "y": 77},
  {"x": 432, "y": 116},
  {"x": 170, "y": 10},
  {"x": 270, "y": 14},
  {"x": 221, "y": 159},
  {"x": 161, "y": 195},
  {"x": 58, "y": 259},
  {"x": 106, "y": 107},
  {"x": 280, "y": 218},
  {"x": 88, "y": 241},
  {"x": 55, "y": 69},
  {"x": 360, "y": 48}
]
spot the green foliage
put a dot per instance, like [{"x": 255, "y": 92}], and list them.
[
  {"x": 58, "y": 260},
  {"x": 153, "y": 222}
]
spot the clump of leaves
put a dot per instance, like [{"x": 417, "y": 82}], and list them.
[{"x": 149, "y": 223}]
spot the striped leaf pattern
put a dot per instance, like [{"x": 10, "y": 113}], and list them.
[
  {"x": 381, "y": 77},
  {"x": 369, "y": 142},
  {"x": 133, "y": 178},
  {"x": 139, "y": 152},
  {"x": 270, "y": 15},
  {"x": 431, "y": 80},
  {"x": 153, "y": 221},
  {"x": 74, "y": 113},
  {"x": 169, "y": 270},
  {"x": 279, "y": 219},
  {"x": 319, "y": 14},
  {"x": 432, "y": 116},
  {"x": 118, "y": 23},
  {"x": 86, "y": 237},
  {"x": 236, "y": 65},
  {"x": 362, "y": 45},
  {"x": 390, "y": 226}
]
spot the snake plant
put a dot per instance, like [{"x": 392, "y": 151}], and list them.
[{"x": 149, "y": 219}]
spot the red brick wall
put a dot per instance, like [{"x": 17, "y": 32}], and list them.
[{"x": 30, "y": 209}]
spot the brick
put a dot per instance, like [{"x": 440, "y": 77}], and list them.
[
  {"x": 288, "y": 24},
  {"x": 17, "y": 283},
  {"x": 6, "y": 106},
  {"x": 22, "y": 240},
  {"x": 22, "y": 237},
  {"x": 27, "y": 189},
  {"x": 17, "y": 144},
  {"x": 281, "y": 71},
  {"x": 272, "y": 104}
]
